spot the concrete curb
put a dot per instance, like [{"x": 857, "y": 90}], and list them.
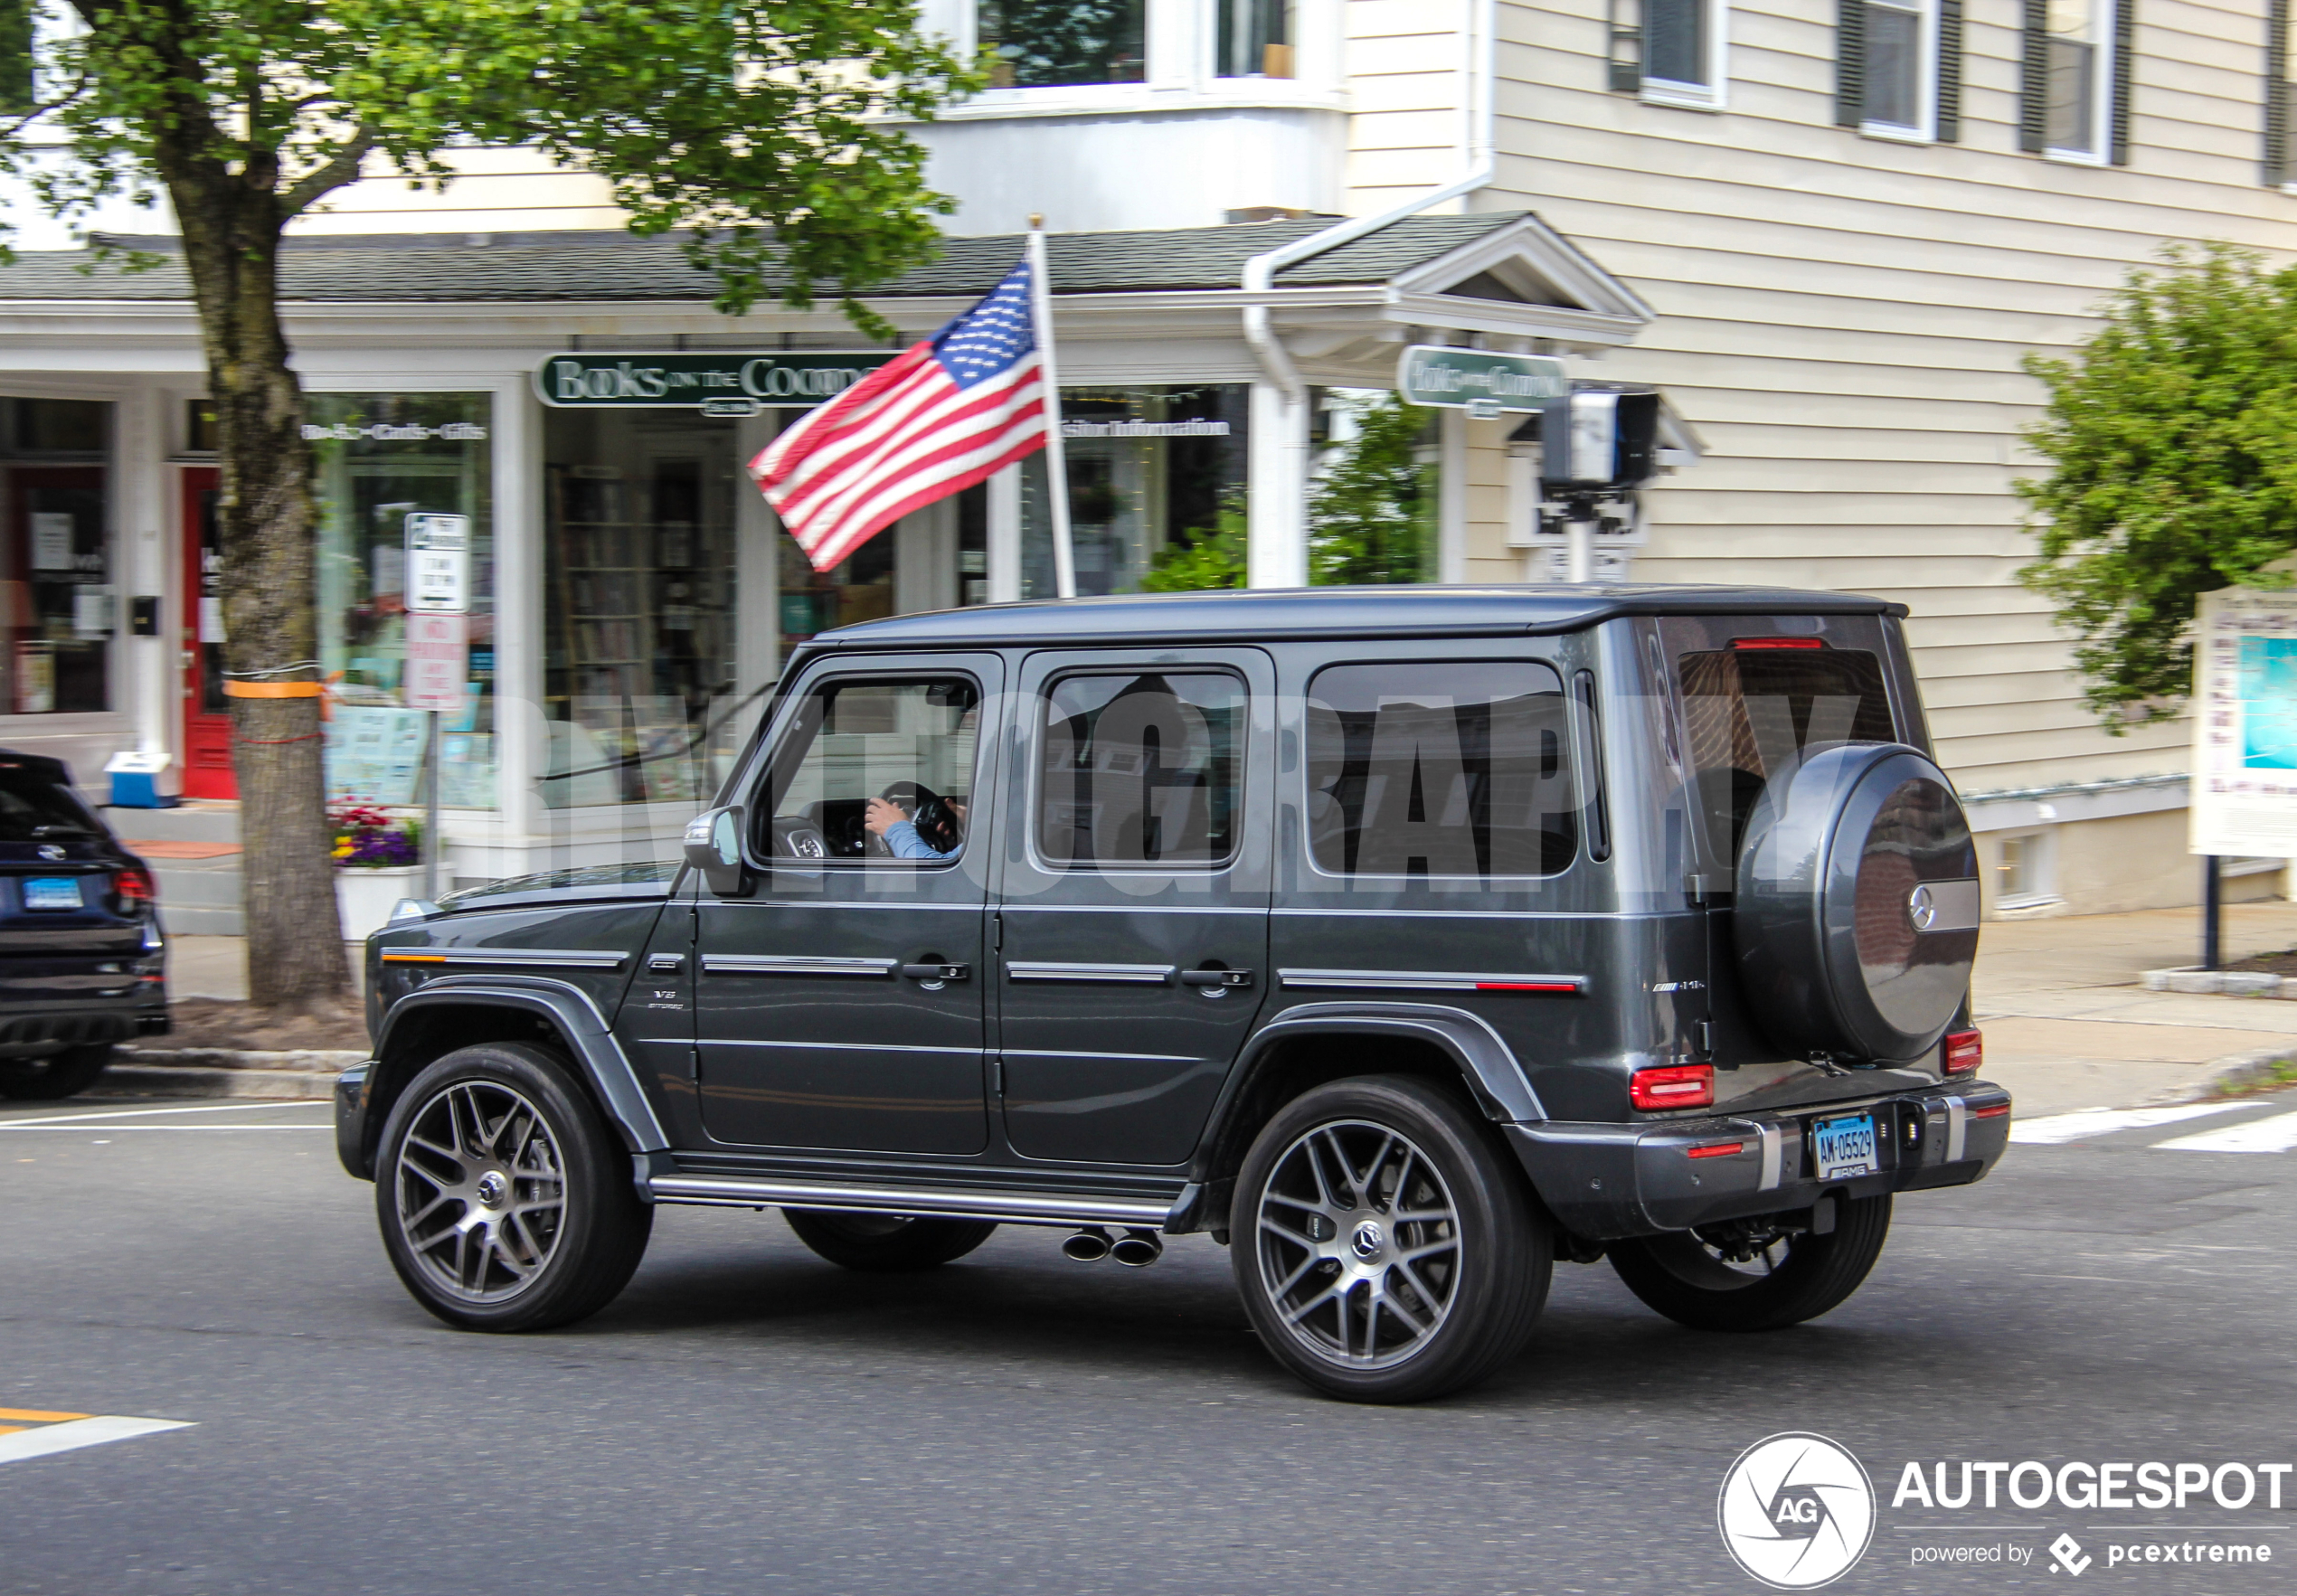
[
  {"x": 2192, "y": 980},
  {"x": 220, "y": 1072},
  {"x": 2227, "y": 1074}
]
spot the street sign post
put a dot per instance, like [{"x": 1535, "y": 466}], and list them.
[{"x": 438, "y": 598}]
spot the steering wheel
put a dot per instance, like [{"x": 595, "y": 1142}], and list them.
[
  {"x": 929, "y": 811},
  {"x": 797, "y": 837}
]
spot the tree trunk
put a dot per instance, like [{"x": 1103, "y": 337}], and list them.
[{"x": 268, "y": 518}]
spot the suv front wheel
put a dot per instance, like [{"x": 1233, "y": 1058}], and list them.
[
  {"x": 1386, "y": 1249},
  {"x": 1743, "y": 1277},
  {"x": 505, "y": 1200}
]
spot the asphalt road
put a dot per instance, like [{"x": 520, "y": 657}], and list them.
[{"x": 748, "y": 1419}]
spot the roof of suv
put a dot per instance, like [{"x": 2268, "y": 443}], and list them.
[{"x": 1247, "y": 615}]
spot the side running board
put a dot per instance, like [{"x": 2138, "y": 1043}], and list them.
[{"x": 721, "y": 1191}]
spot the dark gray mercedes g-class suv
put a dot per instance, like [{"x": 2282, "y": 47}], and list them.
[{"x": 1404, "y": 939}]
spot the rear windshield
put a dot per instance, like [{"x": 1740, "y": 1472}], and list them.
[
  {"x": 34, "y": 810},
  {"x": 1754, "y": 710}
]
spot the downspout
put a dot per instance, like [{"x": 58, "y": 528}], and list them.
[{"x": 1260, "y": 272}]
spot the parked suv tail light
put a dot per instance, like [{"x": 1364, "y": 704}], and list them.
[
  {"x": 1672, "y": 1086},
  {"x": 134, "y": 885},
  {"x": 1965, "y": 1051}
]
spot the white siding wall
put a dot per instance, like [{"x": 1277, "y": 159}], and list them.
[{"x": 1842, "y": 317}]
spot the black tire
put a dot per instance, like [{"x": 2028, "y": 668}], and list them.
[
  {"x": 1458, "y": 1295},
  {"x": 59, "y": 1075},
  {"x": 887, "y": 1243},
  {"x": 551, "y": 1197},
  {"x": 1685, "y": 1279}
]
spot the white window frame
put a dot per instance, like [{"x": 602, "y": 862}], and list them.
[
  {"x": 2104, "y": 16},
  {"x": 1715, "y": 94},
  {"x": 2041, "y": 843},
  {"x": 1925, "y": 129}
]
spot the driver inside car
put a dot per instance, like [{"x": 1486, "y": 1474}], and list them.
[{"x": 891, "y": 825}]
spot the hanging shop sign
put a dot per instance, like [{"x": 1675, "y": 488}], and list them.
[
  {"x": 2245, "y": 726},
  {"x": 1481, "y": 382},
  {"x": 724, "y": 383}
]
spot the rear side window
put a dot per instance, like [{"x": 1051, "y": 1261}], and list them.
[
  {"x": 1440, "y": 770},
  {"x": 1141, "y": 770},
  {"x": 1754, "y": 710},
  {"x": 34, "y": 810}
]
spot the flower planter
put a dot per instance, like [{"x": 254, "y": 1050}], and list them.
[{"x": 368, "y": 896}]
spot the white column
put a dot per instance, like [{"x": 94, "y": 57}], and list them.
[
  {"x": 1277, "y": 481},
  {"x": 1451, "y": 497},
  {"x": 521, "y": 749},
  {"x": 757, "y": 572},
  {"x": 1005, "y": 535}
]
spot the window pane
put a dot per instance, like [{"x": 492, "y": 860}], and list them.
[
  {"x": 1141, "y": 770},
  {"x": 1255, "y": 39},
  {"x": 1675, "y": 40},
  {"x": 1752, "y": 713},
  {"x": 58, "y": 601},
  {"x": 1038, "y": 44},
  {"x": 908, "y": 744},
  {"x": 33, "y": 810},
  {"x": 1894, "y": 66},
  {"x": 1440, "y": 770},
  {"x": 2072, "y": 122}
]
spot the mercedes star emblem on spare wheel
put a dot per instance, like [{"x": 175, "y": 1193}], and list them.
[{"x": 1920, "y": 909}]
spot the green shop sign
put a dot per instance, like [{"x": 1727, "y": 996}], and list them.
[
  {"x": 1479, "y": 381},
  {"x": 724, "y": 383}
]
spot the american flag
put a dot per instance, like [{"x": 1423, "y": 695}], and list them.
[{"x": 942, "y": 416}]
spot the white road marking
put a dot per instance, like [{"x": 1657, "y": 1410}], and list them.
[
  {"x": 2088, "y": 1122},
  {"x": 242, "y": 1106},
  {"x": 80, "y": 1432},
  {"x": 2276, "y": 1135},
  {"x": 122, "y": 1129}
]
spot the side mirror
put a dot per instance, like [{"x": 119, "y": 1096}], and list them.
[{"x": 713, "y": 846}]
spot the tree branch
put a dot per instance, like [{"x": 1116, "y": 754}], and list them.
[{"x": 341, "y": 168}]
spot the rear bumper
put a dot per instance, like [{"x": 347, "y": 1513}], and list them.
[
  {"x": 1602, "y": 1182},
  {"x": 79, "y": 1002}
]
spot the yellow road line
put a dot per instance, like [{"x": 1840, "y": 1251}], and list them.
[
  {"x": 34, "y": 1416},
  {"x": 10, "y": 1428}
]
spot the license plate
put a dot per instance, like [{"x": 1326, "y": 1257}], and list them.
[
  {"x": 1845, "y": 1147},
  {"x": 52, "y": 892}
]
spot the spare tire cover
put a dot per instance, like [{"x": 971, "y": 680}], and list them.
[{"x": 1855, "y": 910}]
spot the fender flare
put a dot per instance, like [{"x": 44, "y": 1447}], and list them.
[
  {"x": 1488, "y": 1064},
  {"x": 570, "y": 1008}
]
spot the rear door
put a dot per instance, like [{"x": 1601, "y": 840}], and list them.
[{"x": 1132, "y": 898}]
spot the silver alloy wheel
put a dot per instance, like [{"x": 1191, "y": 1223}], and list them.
[
  {"x": 1360, "y": 1245},
  {"x": 481, "y": 1195}
]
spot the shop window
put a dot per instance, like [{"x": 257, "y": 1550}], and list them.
[
  {"x": 1255, "y": 39},
  {"x": 381, "y": 459},
  {"x": 58, "y": 603},
  {"x": 638, "y": 594},
  {"x": 1151, "y": 469},
  {"x": 1054, "y": 43}
]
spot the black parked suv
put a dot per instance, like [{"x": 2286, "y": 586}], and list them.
[
  {"x": 1404, "y": 939},
  {"x": 81, "y": 962}
]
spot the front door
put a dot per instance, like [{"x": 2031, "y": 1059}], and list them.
[
  {"x": 1133, "y": 899},
  {"x": 207, "y": 718},
  {"x": 841, "y": 1004}
]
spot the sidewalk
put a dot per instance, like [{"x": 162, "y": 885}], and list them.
[{"x": 2067, "y": 1026}]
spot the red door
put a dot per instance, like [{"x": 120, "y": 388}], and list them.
[{"x": 207, "y": 722}]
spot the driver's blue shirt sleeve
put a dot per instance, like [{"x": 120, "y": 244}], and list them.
[{"x": 904, "y": 842}]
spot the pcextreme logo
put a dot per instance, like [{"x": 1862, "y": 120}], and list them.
[{"x": 1796, "y": 1511}]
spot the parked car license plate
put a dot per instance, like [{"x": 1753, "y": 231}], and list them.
[
  {"x": 52, "y": 892},
  {"x": 1844, "y": 1146}
]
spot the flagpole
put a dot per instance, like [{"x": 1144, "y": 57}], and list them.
[{"x": 1056, "y": 458}]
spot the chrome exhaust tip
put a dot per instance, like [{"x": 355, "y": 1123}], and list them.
[
  {"x": 1087, "y": 1246},
  {"x": 1137, "y": 1249}
]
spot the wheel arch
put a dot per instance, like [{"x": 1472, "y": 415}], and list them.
[
  {"x": 456, "y": 1010},
  {"x": 1306, "y": 1046}
]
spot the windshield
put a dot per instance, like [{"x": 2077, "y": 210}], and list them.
[
  {"x": 1754, "y": 708},
  {"x": 34, "y": 810}
]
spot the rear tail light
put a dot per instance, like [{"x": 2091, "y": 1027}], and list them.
[
  {"x": 134, "y": 885},
  {"x": 1965, "y": 1051},
  {"x": 1778, "y": 642},
  {"x": 1672, "y": 1086}
]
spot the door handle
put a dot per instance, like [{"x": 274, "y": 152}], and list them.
[
  {"x": 937, "y": 973},
  {"x": 1226, "y": 980}
]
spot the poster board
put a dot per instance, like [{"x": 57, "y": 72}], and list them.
[
  {"x": 375, "y": 754},
  {"x": 2245, "y": 725}
]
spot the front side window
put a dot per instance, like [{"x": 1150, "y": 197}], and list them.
[
  {"x": 1052, "y": 44},
  {"x": 1141, "y": 770},
  {"x": 1440, "y": 770},
  {"x": 1754, "y": 709},
  {"x": 877, "y": 771}
]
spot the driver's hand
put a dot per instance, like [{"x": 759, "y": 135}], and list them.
[{"x": 880, "y": 815}]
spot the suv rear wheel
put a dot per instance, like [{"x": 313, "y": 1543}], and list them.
[
  {"x": 1387, "y": 1251},
  {"x": 1744, "y": 1279},
  {"x": 887, "y": 1243},
  {"x": 505, "y": 1201},
  {"x": 59, "y": 1075}
]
